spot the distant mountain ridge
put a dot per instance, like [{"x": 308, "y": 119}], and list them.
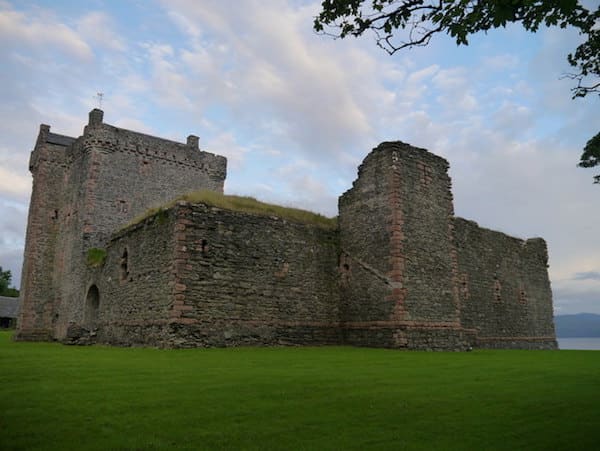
[{"x": 578, "y": 325}]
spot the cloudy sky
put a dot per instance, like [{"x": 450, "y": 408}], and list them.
[{"x": 295, "y": 112}]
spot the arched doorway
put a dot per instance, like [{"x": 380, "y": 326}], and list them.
[{"x": 92, "y": 303}]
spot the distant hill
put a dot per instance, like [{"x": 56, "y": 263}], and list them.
[{"x": 579, "y": 325}]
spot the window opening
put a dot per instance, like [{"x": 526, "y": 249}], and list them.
[{"x": 124, "y": 265}]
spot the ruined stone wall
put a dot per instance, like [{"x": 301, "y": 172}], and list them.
[
  {"x": 399, "y": 266},
  {"x": 253, "y": 280},
  {"x": 504, "y": 288},
  {"x": 365, "y": 219},
  {"x": 400, "y": 272},
  {"x": 135, "y": 286},
  {"x": 203, "y": 276}
]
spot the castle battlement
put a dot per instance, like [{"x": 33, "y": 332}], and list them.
[{"x": 106, "y": 138}]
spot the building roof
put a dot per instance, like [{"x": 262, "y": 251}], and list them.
[
  {"x": 61, "y": 140},
  {"x": 9, "y": 307}
]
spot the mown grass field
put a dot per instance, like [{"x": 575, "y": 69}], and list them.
[{"x": 330, "y": 398}]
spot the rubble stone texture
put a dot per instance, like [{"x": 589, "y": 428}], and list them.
[{"x": 401, "y": 271}]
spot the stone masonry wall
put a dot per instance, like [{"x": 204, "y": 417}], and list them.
[
  {"x": 399, "y": 265},
  {"x": 123, "y": 174},
  {"x": 196, "y": 275},
  {"x": 134, "y": 172},
  {"x": 365, "y": 220},
  {"x": 504, "y": 288},
  {"x": 84, "y": 190},
  {"x": 252, "y": 280},
  {"x": 39, "y": 291},
  {"x": 70, "y": 269},
  {"x": 135, "y": 285}
]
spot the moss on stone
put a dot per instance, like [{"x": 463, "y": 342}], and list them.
[
  {"x": 96, "y": 257},
  {"x": 162, "y": 215}
]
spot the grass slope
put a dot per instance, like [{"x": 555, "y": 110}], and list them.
[
  {"x": 244, "y": 204},
  {"x": 100, "y": 398}
]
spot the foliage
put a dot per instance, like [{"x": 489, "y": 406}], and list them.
[
  {"x": 5, "y": 288},
  {"x": 5, "y": 277},
  {"x": 420, "y": 20},
  {"x": 10, "y": 292},
  {"x": 417, "y": 21},
  {"x": 58, "y": 397},
  {"x": 96, "y": 257},
  {"x": 243, "y": 204},
  {"x": 587, "y": 58},
  {"x": 591, "y": 155}
]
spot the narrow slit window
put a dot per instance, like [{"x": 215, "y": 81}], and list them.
[{"x": 124, "y": 265}]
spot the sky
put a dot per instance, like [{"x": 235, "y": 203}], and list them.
[{"x": 296, "y": 112}]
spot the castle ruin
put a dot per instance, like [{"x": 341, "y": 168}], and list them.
[{"x": 399, "y": 271}]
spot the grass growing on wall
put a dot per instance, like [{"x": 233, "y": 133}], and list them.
[
  {"x": 99, "y": 398},
  {"x": 253, "y": 206},
  {"x": 96, "y": 257},
  {"x": 247, "y": 205}
]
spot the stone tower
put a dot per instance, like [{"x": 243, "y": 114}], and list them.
[
  {"x": 399, "y": 264},
  {"x": 85, "y": 189}
]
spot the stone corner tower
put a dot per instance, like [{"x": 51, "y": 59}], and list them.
[{"x": 398, "y": 261}]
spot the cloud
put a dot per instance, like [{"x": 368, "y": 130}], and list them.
[
  {"x": 168, "y": 84},
  {"x": 588, "y": 275},
  {"x": 97, "y": 27},
  {"x": 186, "y": 25},
  {"x": 12, "y": 224},
  {"x": 455, "y": 84},
  {"x": 133, "y": 124},
  {"x": 16, "y": 185},
  {"x": 39, "y": 32},
  {"x": 501, "y": 62},
  {"x": 12, "y": 259},
  {"x": 513, "y": 119},
  {"x": 225, "y": 144},
  {"x": 274, "y": 66},
  {"x": 577, "y": 297}
]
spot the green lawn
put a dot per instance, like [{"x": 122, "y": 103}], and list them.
[{"x": 75, "y": 398}]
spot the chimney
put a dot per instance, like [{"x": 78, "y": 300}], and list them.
[
  {"x": 96, "y": 117},
  {"x": 193, "y": 141}
]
